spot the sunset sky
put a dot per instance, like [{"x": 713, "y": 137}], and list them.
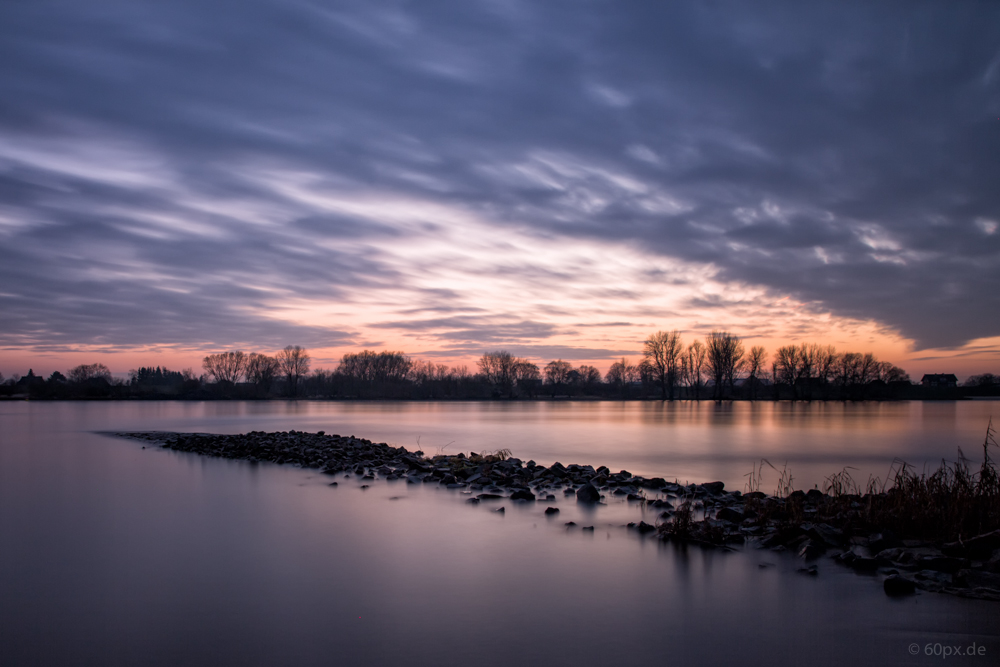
[{"x": 558, "y": 179}]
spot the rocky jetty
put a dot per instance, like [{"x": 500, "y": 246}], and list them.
[{"x": 812, "y": 525}]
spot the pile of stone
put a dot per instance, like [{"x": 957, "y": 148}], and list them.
[
  {"x": 811, "y": 525},
  {"x": 814, "y": 525}
]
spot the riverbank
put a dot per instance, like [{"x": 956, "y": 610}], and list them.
[{"x": 841, "y": 525}]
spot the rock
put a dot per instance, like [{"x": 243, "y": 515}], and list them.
[
  {"x": 332, "y": 484},
  {"x": 811, "y": 550},
  {"x": 729, "y": 514},
  {"x": 881, "y": 541},
  {"x": 489, "y": 496},
  {"x": 826, "y": 534},
  {"x": 979, "y": 579},
  {"x": 896, "y": 585},
  {"x": 635, "y": 498},
  {"x": 588, "y": 494},
  {"x": 644, "y": 528},
  {"x": 473, "y": 501},
  {"x": 522, "y": 494},
  {"x": 980, "y": 547},
  {"x": 552, "y": 510},
  {"x": 570, "y": 524},
  {"x": 940, "y": 563},
  {"x": 500, "y": 510},
  {"x": 810, "y": 570},
  {"x": 661, "y": 503},
  {"x": 588, "y": 528},
  {"x": 815, "y": 495},
  {"x": 713, "y": 487}
]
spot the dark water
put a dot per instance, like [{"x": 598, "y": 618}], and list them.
[{"x": 115, "y": 555}]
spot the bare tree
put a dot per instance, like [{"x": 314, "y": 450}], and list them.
[
  {"x": 622, "y": 374},
  {"x": 261, "y": 371},
  {"x": 557, "y": 374},
  {"x": 693, "y": 367},
  {"x": 589, "y": 375},
  {"x": 557, "y": 371},
  {"x": 826, "y": 362},
  {"x": 662, "y": 351},
  {"x": 756, "y": 361},
  {"x": 526, "y": 375},
  {"x": 293, "y": 361},
  {"x": 890, "y": 373},
  {"x": 86, "y": 372},
  {"x": 786, "y": 361},
  {"x": 725, "y": 358},
  {"x": 225, "y": 366},
  {"x": 498, "y": 368}
]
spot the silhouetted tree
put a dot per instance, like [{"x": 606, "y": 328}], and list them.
[
  {"x": 981, "y": 380},
  {"x": 293, "y": 361},
  {"x": 662, "y": 351},
  {"x": 557, "y": 374},
  {"x": 786, "y": 360},
  {"x": 589, "y": 376},
  {"x": 725, "y": 356},
  {"x": 503, "y": 370},
  {"x": 261, "y": 371},
  {"x": 87, "y": 372},
  {"x": 693, "y": 366},
  {"x": 756, "y": 361},
  {"x": 622, "y": 373},
  {"x": 225, "y": 366}
]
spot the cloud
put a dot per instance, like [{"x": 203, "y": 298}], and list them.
[{"x": 209, "y": 173}]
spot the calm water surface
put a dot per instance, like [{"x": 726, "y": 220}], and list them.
[{"x": 111, "y": 554}]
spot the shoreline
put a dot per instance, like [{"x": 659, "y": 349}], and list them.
[{"x": 813, "y": 525}]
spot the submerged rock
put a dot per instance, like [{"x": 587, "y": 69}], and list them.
[{"x": 588, "y": 494}]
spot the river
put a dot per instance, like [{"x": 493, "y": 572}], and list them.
[{"x": 112, "y": 554}]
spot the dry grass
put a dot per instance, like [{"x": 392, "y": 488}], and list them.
[
  {"x": 953, "y": 502},
  {"x": 950, "y": 503}
]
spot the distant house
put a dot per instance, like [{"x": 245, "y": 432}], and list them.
[{"x": 939, "y": 380}]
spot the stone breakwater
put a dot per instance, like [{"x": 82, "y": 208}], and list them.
[{"x": 811, "y": 525}]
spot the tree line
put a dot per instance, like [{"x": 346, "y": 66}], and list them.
[{"x": 719, "y": 366}]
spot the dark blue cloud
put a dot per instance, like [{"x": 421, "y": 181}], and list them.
[{"x": 844, "y": 154}]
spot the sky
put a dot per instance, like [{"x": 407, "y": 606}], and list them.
[{"x": 557, "y": 179}]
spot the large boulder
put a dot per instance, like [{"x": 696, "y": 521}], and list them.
[
  {"x": 522, "y": 494},
  {"x": 588, "y": 493}
]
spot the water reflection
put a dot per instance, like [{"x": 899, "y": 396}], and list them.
[{"x": 118, "y": 555}]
